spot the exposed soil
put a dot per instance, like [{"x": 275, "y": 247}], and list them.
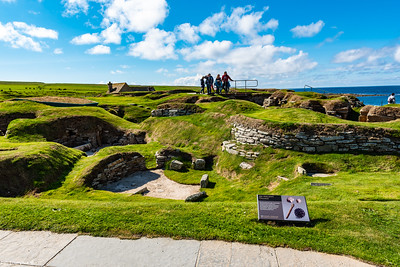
[{"x": 157, "y": 184}]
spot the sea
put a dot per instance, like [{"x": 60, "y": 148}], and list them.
[{"x": 369, "y": 95}]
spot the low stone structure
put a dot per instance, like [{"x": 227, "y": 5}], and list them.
[
  {"x": 199, "y": 164},
  {"x": 233, "y": 148},
  {"x": 167, "y": 154},
  {"x": 170, "y": 112},
  {"x": 316, "y": 138},
  {"x": 379, "y": 114},
  {"x": 114, "y": 168}
]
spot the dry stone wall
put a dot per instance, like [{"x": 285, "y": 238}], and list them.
[
  {"x": 170, "y": 112},
  {"x": 316, "y": 138},
  {"x": 114, "y": 168}
]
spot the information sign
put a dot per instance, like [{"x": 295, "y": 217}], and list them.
[{"x": 282, "y": 208}]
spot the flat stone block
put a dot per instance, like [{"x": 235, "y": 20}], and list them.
[
  {"x": 290, "y": 257},
  {"x": 95, "y": 251},
  {"x": 214, "y": 253},
  {"x": 204, "y": 181},
  {"x": 32, "y": 248},
  {"x": 176, "y": 165},
  {"x": 252, "y": 256}
]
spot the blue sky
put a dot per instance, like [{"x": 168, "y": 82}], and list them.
[{"x": 281, "y": 43}]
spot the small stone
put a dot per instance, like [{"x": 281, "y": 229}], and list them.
[
  {"x": 204, "y": 181},
  {"x": 196, "y": 197},
  {"x": 199, "y": 164},
  {"x": 301, "y": 170},
  {"x": 176, "y": 165},
  {"x": 245, "y": 166}
]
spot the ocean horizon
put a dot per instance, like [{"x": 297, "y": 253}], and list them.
[{"x": 369, "y": 95}]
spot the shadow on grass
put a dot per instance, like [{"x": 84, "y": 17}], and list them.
[{"x": 310, "y": 224}]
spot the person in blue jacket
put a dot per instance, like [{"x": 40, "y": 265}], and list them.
[{"x": 209, "y": 83}]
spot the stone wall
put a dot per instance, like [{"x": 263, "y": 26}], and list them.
[
  {"x": 316, "y": 138},
  {"x": 170, "y": 112},
  {"x": 114, "y": 168},
  {"x": 166, "y": 154}
]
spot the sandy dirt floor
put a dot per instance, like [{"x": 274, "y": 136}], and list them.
[{"x": 157, "y": 184}]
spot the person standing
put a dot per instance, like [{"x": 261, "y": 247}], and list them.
[
  {"x": 225, "y": 82},
  {"x": 202, "y": 84},
  {"x": 209, "y": 83},
  {"x": 218, "y": 84},
  {"x": 392, "y": 99}
]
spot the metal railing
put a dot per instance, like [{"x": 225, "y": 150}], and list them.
[{"x": 245, "y": 84}]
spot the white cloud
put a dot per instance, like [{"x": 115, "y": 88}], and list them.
[
  {"x": 136, "y": 15},
  {"x": 16, "y": 35},
  {"x": 211, "y": 25},
  {"x": 308, "y": 30},
  {"x": 34, "y": 31},
  {"x": 206, "y": 50},
  {"x": 112, "y": 34},
  {"x": 87, "y": 38},
  {"x": 351, "y": 55},
  {"x": 73, "y": 7},
  {"x": 162, "y": 70},
  {"x": 8, "y": 1},
  {"x": 331, "y": 39},
  {"x": 397, "y": 54},
  {"x": 157, "y": 45},
  {"x": 189, "y": 81},
  {"x": 244, "y": 23},
  {"x": 188, "y": 33},
  {"x": 113, "y": 72},
  {"x": 58, "y": 51},
  {"x": 272, "y": 24},
  {"x": 99, "y": 50},
  {"x": 263, "y": 40}
]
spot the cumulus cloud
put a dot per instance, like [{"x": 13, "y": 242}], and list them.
[
  {"x": 206, "y": 50},
  {"x": 20, "y": 35},
  {"x": 112, "y": 35},
  {"x": 351, "y": 55},
  {"x": 99, "y": 50},
  {"x": 188, "y": 33},
  {"x": 308, "y": 30},
  {"x": 157, "y": 45},
  {"x": 244, "y": 22},
  {"x": 211, "y": 25},
  {"x": 189, "y": 80},
  {"x": 73, "y": 7},
  {"x": 87, "y": 38},
  {"x": 136, "y": 15},
  {"x": 263, "y": 40}
]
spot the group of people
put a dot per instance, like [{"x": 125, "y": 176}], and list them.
[{"x": 220, "y": 83}]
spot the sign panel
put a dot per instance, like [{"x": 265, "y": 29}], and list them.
[{"x": 282, "y": 208}]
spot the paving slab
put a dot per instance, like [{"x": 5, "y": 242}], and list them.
[
  {"x": 252, "y": 256},
  {"x": 292, "y": 258},
  {"x": 214, "y": 253},
  {"x": 97, "y": 251},
  {"x": 32, "y": 248},
  {"x": 4, "y": 234}
]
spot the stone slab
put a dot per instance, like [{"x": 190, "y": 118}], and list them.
[
  {"x": 252, "y": 256},
  {"x": 214, "y": 253},
  {"x": 3, "y": 234},
  {"x": 32, "y": 248},
  {"x": 293, "y": 258},
  {"x": 96, "y": 251}
]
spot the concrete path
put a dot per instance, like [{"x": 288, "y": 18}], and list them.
[{"x": 49, "y": 249}]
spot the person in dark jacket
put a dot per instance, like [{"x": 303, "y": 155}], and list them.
[
  {"x": 218, "y": 84},
  {"x": 202, "y": 84},
  {"x": 209, "y": 83}
]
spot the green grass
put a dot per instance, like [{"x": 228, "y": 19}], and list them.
[{"x": 358, "y": 215}]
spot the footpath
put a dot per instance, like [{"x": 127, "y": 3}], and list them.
[{"x": 49, "y": 249}]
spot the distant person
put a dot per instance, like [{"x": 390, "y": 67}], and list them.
[
  {"x": 209, "y": 83},
  {"x": 218, "y": 84},
  {"x": 202, "y": 84},
  {"x": 225, "y": 82},
  {"x": 392, "y": 99}
]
